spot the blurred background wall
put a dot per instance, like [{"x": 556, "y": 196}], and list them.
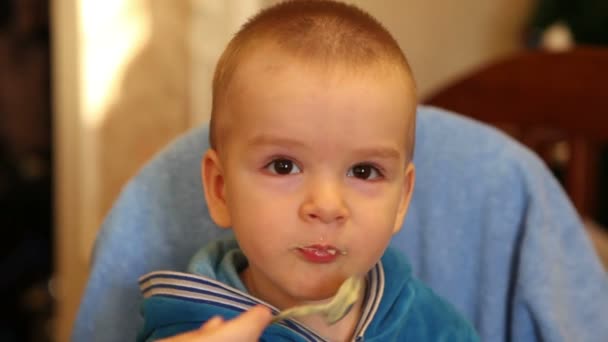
[{"x": 124, "y": 77}]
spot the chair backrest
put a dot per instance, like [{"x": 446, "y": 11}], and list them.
[
  {"x": 554, "y": 102},
  {"x": 488, "y": 228}
]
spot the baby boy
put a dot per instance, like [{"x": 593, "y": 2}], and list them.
[{"x": 310, "y": 165}]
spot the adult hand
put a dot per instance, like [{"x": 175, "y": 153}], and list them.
[{"x": 246, "y": 327}]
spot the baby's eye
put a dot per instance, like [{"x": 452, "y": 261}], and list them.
[
  {"x": 283, "y": 167},
  {"x": 364, "y": 171}
]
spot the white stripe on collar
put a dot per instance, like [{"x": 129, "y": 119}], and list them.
[
  {"x": 195, "y": 288},
  {"x": 373, "y": 297}
]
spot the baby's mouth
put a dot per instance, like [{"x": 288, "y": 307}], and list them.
[
  {"x": 319, "y": 254},
  {"x": 322, "y": 250}
]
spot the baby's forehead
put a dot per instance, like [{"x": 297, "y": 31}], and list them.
[
  {"x": 270, "y": 63},
  {"x": 264, "y": 97},
  {"x": 269, "y": 66}
]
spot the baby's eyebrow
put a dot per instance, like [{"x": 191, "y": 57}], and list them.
[
  {"x": 381, "y": 152},
  {"x": 265, "y": 139},
  {"x": 377, "y": 152}
]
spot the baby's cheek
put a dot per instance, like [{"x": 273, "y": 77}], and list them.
[{"x": 369, "y": 250}]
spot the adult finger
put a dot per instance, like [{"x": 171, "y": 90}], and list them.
[
  {"x": 199, "y": 334},
  {"x": 247, "y": 326},
  {"x": 212, "y": 324}
]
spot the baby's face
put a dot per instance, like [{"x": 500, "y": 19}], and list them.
[{"x": 313, "y": 174}]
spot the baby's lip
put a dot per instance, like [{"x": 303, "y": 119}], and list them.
[
  {"x": 319, "y": 254},
  {"x": 324, "y": 249}
]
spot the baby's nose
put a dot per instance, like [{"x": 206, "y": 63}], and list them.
[{"x": 325, "y": 203}]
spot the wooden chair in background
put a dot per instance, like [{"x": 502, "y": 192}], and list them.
[{"x": 556, "y": 103}]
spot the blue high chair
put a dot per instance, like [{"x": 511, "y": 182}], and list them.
[{"x": 489, "y": 229}]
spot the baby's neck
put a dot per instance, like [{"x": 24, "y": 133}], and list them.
[{"x": 343, "y": 330}]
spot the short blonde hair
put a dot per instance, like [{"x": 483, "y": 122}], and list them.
[{"x": 323, "y": 31}]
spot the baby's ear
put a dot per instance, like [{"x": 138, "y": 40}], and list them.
[
  {"x": 406, "y": 196},
  {"x": 212, "y": 174}
]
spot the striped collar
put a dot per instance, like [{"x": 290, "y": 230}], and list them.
[{"x": 196, "y": 288}]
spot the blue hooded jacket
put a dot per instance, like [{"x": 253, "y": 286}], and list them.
[{"x": 397, "y": 306}]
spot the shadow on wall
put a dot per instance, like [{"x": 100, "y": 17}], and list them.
[{"x": 25, "y": 172}]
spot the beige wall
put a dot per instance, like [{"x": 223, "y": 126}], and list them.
[
  {"x": 70, "y": 270},
  {"x": 213, "y": 24},
  {"x": 122, "y": 92},
  {"x": 129, "y": 75},
  {"x": 444, "y": 39}
]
